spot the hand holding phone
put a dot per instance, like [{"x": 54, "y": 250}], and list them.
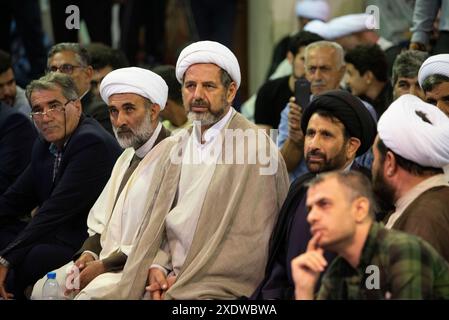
[{"x": 302, "y": 93}]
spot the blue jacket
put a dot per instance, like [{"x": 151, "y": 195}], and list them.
[{"x": 64, "y": 204}]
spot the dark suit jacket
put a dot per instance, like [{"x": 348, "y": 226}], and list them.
[
  {"x": 289, "y": 238},
  {"x": 86, "y": 165},
  {"x": 17, "y": 135}
]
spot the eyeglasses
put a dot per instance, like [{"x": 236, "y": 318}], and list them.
[
  {"x": 65, "y": 68},
  {"x": 51, "y": 112}
]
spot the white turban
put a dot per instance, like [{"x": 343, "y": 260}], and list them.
[
  {"x": 340, "y": 26},
  {"x": 438, "y": 64},
  {"x": 140, "y": 81},
  {"x": 208, "y": 52},
  {"x": 320, "y": 28},
  {"x": 348, "y": 24},
  {"x": 403, "y": 130},
  {"x": 313, "y": 9}
]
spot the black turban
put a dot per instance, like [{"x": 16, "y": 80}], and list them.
[{"x": 350, "y": 111}]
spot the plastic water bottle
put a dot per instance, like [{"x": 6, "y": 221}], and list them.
[{"x": 50, "y": 290}]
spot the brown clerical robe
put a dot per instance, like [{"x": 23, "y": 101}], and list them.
[{"x": 428, "y": 217}]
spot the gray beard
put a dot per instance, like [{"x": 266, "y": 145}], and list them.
[
  {"x": 139, "y": 136},
  {"x": 206, "y": 119}
]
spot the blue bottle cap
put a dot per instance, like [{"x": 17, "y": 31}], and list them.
[{"x": 51, "y": 275}]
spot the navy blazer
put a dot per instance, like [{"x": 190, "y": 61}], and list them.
[
  {"x": 17, "y": 135},
  {"x": 64, "y": 204}
]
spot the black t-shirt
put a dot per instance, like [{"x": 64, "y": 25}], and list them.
[{"x": 271, "y": 99}]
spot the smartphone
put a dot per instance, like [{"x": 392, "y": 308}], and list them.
[{"x": 302, "y": 92}]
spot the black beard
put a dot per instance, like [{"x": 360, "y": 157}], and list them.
[
  {"x": 384, "y": 194},
  {"x": 328, "y": 164}
]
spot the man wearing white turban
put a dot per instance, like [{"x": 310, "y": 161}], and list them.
[
  {"x": 306, "y": 11},
  {"x": 354, "y": 29},
  {"x": 409, "y": 153},
  {"x": 433, "y": 78},
  {"x": 209, "y": 227},
  {"x": 135, "y": 97}
]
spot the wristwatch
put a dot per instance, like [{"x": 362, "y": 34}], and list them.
[{"x": 4, "y": 262}]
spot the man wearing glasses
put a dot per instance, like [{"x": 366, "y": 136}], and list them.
[
  {"x": 70, "y": 164},
  {"x": 74, "y": 60}
]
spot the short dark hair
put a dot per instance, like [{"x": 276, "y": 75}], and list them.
[
  {"x": 102, "y": 56},
  {"x": 407, "y": 64},
  {"x": 302, "y": 39},
  {"x": 355, "y": 182},
  {"x": 432, "y": 81},
  {"x": 81, "y": 53},
  {"x": 168, "y": 73},
  {"x": 5, "y": 61},
  {"x": 408, "y": 165},
  {"x": 369, "y": 58}
]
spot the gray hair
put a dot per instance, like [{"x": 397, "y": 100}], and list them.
[
  {"x": 52, "y": 81},
  {"x": 407, "y": 64},
  {"x": 327, "y": 44},
  {"x": 82, "y": 56},
  {"x": 433, "y": 80},
  {"x": 355, "y": 183}
]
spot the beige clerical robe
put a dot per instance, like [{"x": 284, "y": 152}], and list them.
[{"x": 229, "y": 249}]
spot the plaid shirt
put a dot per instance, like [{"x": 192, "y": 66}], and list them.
[{"x": 393, "y": 265}]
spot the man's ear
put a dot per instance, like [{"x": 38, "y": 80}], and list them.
[
  {"x": 232, "y": 91},
  {"x": 290, "y": 57},
  {"x": 369, "y": 77},
  {"x": 78, "y": 106},
  {"x": 361, "y": 206},
  {"x": 352, "y": 146},
  {"x": 89, "y": 72},
  {"x": 390, "y": 164},
  {"x": 342, "y": 71},
  {"x": 154, "y": 112}
]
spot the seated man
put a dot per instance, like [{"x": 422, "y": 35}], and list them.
[
  {"x": 17, "y": 136},
  {"x": 367, "y": 76},
  {"x": 404, "y": 77},
  {"x": 273, "y": 95},
  {"x": 103, "y": 60},
  {"x": 433, "y": 78},
  {"x": 10, "y": 93},
  {"x": 210, "y": 223},
  {"x": 324, "y": 68},
  {"x": 337, "y": 127},
  {"x": 134, "y": 97},
  {"x": 69, "y": 167},
  {"x": 372, "y": 262},
  {"x": 74, "y": 60},
  {"x": 408, "y": 169},
  {"x": 174, "y": 114}
]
